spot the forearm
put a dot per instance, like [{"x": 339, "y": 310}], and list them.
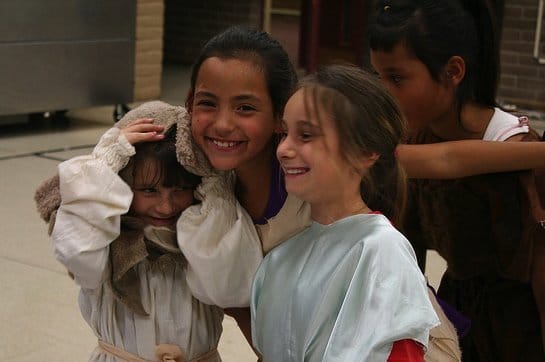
[
  {"x": 457, "y": 159},
  {"x": 93, "y": 197}
]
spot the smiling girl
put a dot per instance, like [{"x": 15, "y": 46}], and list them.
[
  {"x": 439, "y": 59},
  {"x": 115, "y": 232},
  {"x": 348, "y": 287}
]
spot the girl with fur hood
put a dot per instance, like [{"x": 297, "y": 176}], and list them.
[{"x": 113, "y": 217}]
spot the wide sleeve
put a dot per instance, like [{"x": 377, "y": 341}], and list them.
[
  {"x": 386, "y": 301},
  {"x": 93, "y": 197},
  {"x": 221, "y": 245}
]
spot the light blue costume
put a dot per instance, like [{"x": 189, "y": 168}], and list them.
[{"x": 340, "y": 292}]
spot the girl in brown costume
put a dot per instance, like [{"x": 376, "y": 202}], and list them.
[{"x": 439, "y": 60}]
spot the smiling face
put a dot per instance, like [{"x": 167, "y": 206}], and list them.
[
  {"x": 232, "y": 114},
  {"x": 154, "y": 203},
  {"x": 311, "y": 158},
  {"x": 422, "y": 99}
]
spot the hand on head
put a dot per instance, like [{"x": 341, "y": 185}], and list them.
[{"x": 143, "y": 130}]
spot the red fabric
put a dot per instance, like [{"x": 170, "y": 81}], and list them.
[{"x": 406, "y": 350}]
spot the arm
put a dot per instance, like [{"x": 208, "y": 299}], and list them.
[
  {"x": 93, "y": 197},
  {"x": 221, "y": 245},
  {"x": 463, "y": 158},
  {"x": 388, "y": 291}
]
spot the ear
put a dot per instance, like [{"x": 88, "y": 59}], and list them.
[
  {"x": 455, "y": 70},
  {"x": 189, "y": 101},
  {"x": 369, "y": 160}
]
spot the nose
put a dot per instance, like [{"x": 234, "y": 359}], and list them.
[
  {"x": 284, "y": 150},
  {"x": 224, "y": 121},
  {"x": 166, "y": 205}
]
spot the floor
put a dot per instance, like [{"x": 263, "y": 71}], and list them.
[{"x": 39, "y": 318}]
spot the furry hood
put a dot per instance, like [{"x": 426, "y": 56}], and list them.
[{"x": 47, "y": 196}]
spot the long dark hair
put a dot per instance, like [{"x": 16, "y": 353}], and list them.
[{"x": 434, "y": 31}]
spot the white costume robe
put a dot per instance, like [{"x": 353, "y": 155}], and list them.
[{"x": 93, "y": 199}]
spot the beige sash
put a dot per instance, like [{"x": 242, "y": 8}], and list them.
[{"x": 163, "y": 353}]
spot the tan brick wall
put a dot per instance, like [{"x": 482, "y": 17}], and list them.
[
  {"x": 148, "y": 57},
  {"x": 522, "y": 79}
]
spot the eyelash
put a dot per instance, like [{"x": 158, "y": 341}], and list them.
[{"x": 205, "y": 103}]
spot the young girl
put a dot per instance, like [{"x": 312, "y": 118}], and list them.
[
  {"x": 115, "y": 231},
  {"x": 348, "y": 288},
  {"x": 439, "y": 60},
  {"x": 240, "y": 83}
]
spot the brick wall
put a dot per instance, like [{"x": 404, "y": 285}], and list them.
[
  {"x": 148, "y": 53},
  {"x": 188, "y": 24},
  {"x": 522, "y": 79}
]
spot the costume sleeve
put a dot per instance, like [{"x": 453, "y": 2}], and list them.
[
  {"x": 406, "y": 350},
  {"x": 386, "y": 301},
  {"x": 221, "y": 245},
  {"x": 93, "y": 197}
]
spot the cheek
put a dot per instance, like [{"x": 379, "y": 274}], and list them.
[
  {"x": 138, "y": 205},
  {"x": 261, "y": 130},
  {"x": 184, "y": 200},
  {"x": 197, "y": 127}
]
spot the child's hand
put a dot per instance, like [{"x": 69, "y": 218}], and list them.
[{"x": 143, "y": 130}]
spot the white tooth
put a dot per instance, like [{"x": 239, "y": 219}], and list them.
[
  {"x": 294, "y": 172},
  {"x": 224, "y": 143}
]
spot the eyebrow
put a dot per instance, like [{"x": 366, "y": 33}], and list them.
[
  {"x": 204, "y": 94},
  {"x": 303, "y": 123},
  {"x": 240, "y": 97}
]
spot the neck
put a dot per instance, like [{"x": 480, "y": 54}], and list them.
[
  {"x": 470, "y": 123},
  {"x": 326, "y": 214},
  {"x": 253, "y": 185}
]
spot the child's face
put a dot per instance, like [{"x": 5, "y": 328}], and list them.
[
  {"x": 232, "y": 114},
  {"x": 155, "y": 204},
  {"x": 422, "y": 99},
  {"x": 311, "y": 159}
]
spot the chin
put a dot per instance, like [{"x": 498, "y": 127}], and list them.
[
  {"x": 223, "y": 165},
  {"x": 294, "y": 192}
]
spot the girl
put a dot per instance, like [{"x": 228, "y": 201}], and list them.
[
  {"x": 348, "y": 288},
  {"x": 239, "y": 85},
  {"x": 115, "y": 231},
  {"x": 439, "y": 60}
]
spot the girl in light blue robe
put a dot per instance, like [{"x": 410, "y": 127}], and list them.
[{"x": 347, "y": 288}]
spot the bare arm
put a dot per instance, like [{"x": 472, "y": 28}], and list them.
[{"x": 446, "y": 160}]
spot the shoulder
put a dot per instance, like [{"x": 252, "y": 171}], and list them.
[
  {"x": 375, "y": 233},
  {"x": 504, "y": 125}
]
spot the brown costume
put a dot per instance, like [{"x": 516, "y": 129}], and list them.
[{"x": 483, "y": 227}]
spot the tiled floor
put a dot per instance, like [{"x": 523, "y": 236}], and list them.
[{"x": 39, "y": 317}]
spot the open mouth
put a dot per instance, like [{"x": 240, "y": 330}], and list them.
[
  {"x": 295, "y": 171},
  {"x": 224, "y": 145}
]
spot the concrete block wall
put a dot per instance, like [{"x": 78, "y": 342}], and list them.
[
  {"x": 148, "y": 62},
  {"x": 189, "y": 24},
  {"x": 522, "y": 81}
]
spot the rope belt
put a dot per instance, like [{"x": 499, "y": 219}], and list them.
[{"x": 163, "y": 353}]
